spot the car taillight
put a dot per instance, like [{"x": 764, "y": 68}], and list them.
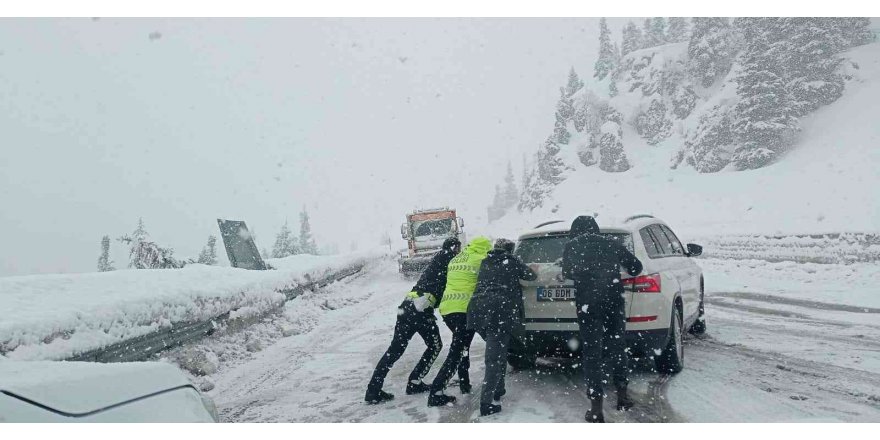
[{"x": 643, "y": 284}]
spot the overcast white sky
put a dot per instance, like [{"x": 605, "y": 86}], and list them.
[{"x": 358, "y": 120}]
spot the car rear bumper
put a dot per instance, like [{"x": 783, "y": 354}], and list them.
[{"x": 555, "y": 343}]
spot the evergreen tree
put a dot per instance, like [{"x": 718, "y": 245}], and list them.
[
  {"x": 145, "y": 254},
  {"x": 657, "y": 36},
  {"x": 495, "y": 210},
  {"x": 546, "y": 174},
  {"x": 510, "y": 193},
  {"x": 647, "y": 25},
  {"x": 285, "y": 244},
  {"x": 632, "y": 38},
  {"x": 653, "y": 124},
  {"x": 708, "y": 150},
  {"x": 564, "y": 113},
  {"x": 574, "y": 83},
  {"x": 678, "y": 30},
  {"x": 209, "y": 252},
  {"x": 710, "y": 51},
  {"x": 808, "y": 49},
  {"x": 764, "y": 118},
  {"x": 612, "y": 157},
  {"x": 104, "y": 263},
  {"x": 306, "y": 241},
  {"x": 606, "y": 61},
  {"x": 855, "y": 31}
]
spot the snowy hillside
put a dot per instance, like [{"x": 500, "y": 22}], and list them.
[{"x": 824, "y": 182}]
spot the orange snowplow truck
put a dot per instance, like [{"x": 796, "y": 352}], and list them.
[{"x": 424, "y": 232}]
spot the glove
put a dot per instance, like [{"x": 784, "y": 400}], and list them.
[{"x": 421, "y": 303}]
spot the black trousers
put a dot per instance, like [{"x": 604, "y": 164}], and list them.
[
  {"x": 602, "y": 326},
  {"x": 409, "y": 322},
  {"x": 458, "y": 358},
  {"x": 497, "y": 344}
]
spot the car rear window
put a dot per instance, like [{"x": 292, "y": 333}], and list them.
[{"x": 549, "y": 248}]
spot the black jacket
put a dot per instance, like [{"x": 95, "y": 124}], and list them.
[
  {"x": 433, "y": 278},
  {"x": 593, "y": 260},
  {"x": 497, "y": 303}
]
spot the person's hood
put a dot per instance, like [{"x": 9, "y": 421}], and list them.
[
  {"x": 450, "y": 243},
  {"x": 583, "y": 225},
  {"x": 479, "y": 246}
]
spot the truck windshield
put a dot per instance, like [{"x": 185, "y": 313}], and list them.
[
  {"x": 432, "y": 229},
  {"x": 549, "y": 248}
]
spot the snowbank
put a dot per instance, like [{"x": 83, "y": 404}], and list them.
[{"x": 56, "y": 316}]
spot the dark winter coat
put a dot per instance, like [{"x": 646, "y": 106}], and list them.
[
  {"x": 497, "y": 304},
  {"x": 433, "y": 278},
  {"x": 593, "y": 261}
]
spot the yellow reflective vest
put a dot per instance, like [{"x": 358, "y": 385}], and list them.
[{"x": 461, "y": 276}]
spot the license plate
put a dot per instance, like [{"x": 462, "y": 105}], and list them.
[{"x": 555, "y": 293}]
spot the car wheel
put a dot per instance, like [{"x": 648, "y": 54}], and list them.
[
  {"x": 520, "y": 357},
  {"x": 699, "y": 326},
  {"x": 671, "y": 360}
]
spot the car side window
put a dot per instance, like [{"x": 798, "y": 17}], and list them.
[
  {"x": 677, "y": 249},
  {"x": 650, "y": 245},
  {"x": 662, "y": 241}
]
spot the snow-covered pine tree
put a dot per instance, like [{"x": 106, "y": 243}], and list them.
[
  {"x": 285, "y": 244},
  {"x": 708, "y": 150},
  {"x": 547, "y": 173},
  {"x": 678, "y": 30},
  {"x": 564, "y": 113},
  {"x": 209, "y": 252},
  {"x": 632, "y": 38},
  {"x": 855, "y": 31},
  {"x": 653, "y": 125},
  {"x": 495, "y": 209},
  {"x": 646, "y": 33},
  {"x": 145, "y": 254},
  {"x": 657, "y": 36},
  {"x": 606, "y": 61},
  {"x": 808, "y": 52},
  {"x": 764, "y": 119},
  {"x": 306, "y": 241},
  {"x": 710, "y": 52},
  {"x": 104, "y": 263},
  {"x": 574, "y": 83},
  {"x": 510, "y": 194},
  {"x": 612, "y": 158}
]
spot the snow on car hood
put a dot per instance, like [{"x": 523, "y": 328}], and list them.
[{"x": 83, "y": 387}]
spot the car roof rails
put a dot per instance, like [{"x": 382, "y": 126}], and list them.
[
  {"x": 549, "y": 222},
  {"x": 637, "y": 216}
]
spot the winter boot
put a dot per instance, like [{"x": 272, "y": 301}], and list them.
[
  {"x": 594, "y": 414},
  {"x": 440, "y": 399},
  {"x": 487, "y": 409},
  {"x": 624, "y": 403},
  {"x": 464, "y": 387},
  {"x": 374, "y": 397},
  {"x": 416, "y": 388}
]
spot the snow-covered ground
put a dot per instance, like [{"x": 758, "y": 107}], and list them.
[
  {"x": 56, "y": 316},
  {"x": 764, "y": 358}
]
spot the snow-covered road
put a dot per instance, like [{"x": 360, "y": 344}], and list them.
[{"x": 764, "y": 358}]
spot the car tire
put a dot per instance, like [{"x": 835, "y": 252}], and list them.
[
  {"x": 699, "y": 326},
  {"x": 520, "y": 357},
  {"x": 671, "y": 360}
]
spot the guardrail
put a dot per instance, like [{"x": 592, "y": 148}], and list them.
[
  {"x": 143, "y": 347},
  {"x": 836, "y": 248}
]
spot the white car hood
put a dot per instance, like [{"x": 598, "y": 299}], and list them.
[{"x": 83, "y": 387}]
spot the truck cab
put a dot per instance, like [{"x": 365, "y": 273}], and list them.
[{"x": 425, "y": 231}]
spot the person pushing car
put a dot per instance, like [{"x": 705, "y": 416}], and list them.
[
  {"x": 495, "y": 309},
  {"x": 416, "y": 315},
  {"x": 593, "y": 261}
]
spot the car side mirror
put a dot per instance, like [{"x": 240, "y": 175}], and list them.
[
  {"x": 694, "y": 250},
  {"x": 404, "y": 232}
]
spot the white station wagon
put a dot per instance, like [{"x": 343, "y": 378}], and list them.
[{"x": 662, "y": 301}]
